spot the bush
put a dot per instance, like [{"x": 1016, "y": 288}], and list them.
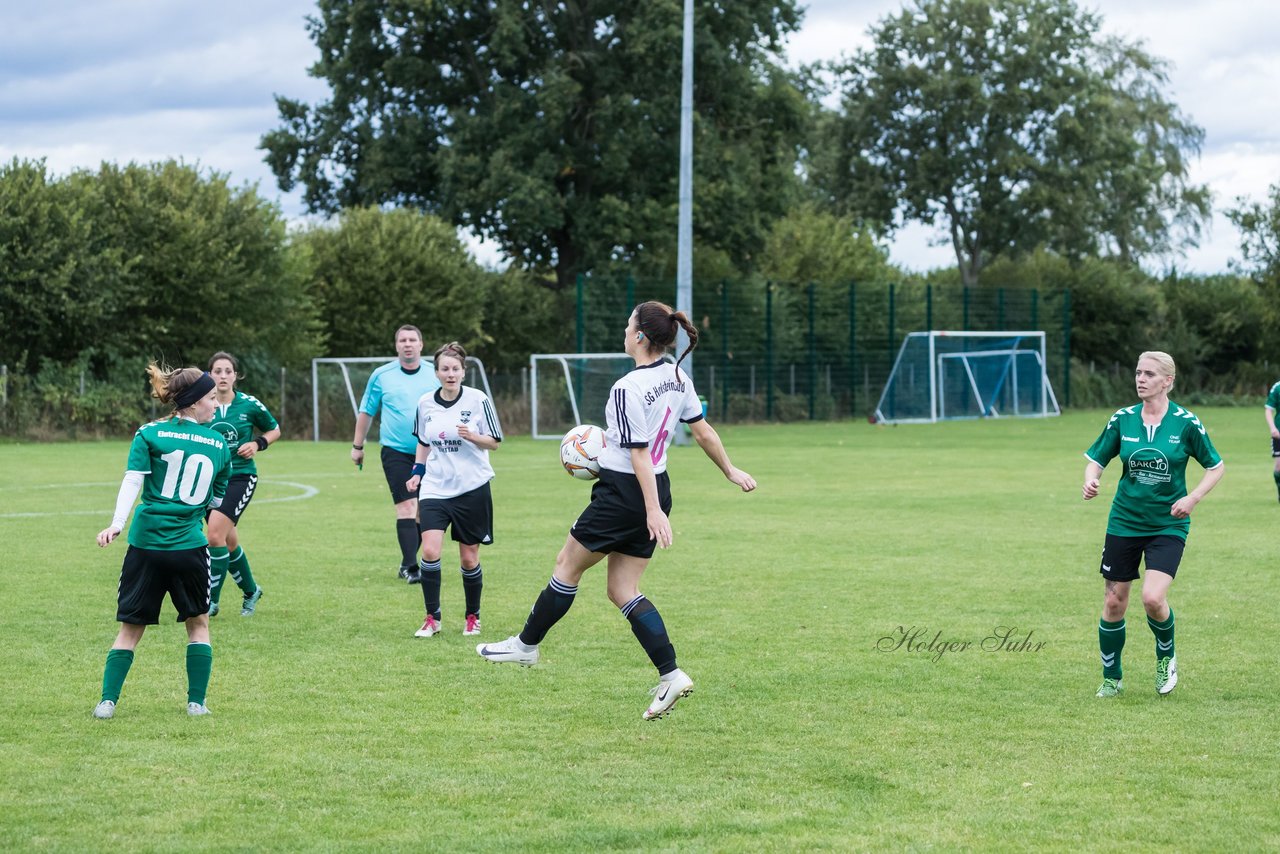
[{"x": 70, "y": 402}]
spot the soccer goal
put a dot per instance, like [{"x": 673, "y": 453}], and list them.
[
  {"x": 330, "y": 388},
  {"x": 939, "y": 376},
  {"x": 568, "y": 389}
]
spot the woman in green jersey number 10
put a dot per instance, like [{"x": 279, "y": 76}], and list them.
[
  {"x": 235, "y": 418},
  {"x": 180, "y": 468},
  {"x": 1150, "y": 515}
]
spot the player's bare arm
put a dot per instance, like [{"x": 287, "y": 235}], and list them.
[
  {"x": 1092, "y": 480},
  {"x": 709, "y": 441}
]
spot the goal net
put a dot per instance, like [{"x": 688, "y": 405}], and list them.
[
  {"x": 568, "y": 389},
  {"x": 338, "y": 383},
  {"x": 940, "y": 376}
]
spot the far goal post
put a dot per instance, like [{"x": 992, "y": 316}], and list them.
[
  {"x": 946, "y": 375},
  {"x": 339, "y": 390}
]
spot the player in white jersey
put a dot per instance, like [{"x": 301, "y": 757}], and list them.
[
  {"x": 456, "y": 429},
  {"x": 627, "y": 515}
]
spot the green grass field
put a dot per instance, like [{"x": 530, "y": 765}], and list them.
[{"x": 334, "y": 728}]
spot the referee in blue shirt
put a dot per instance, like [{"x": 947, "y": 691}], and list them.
[{"x": 395, "y": 388}]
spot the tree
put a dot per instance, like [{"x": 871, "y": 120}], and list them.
[
  {"x": 1226, "y": 315},
  {"x": 376, "y": 270},
  {"x": 815, "y": 248},
  {"x": 1259, "y": 226},
  {"x": 1015, "y": 124},
  {"x": 551, "y": 129},
  {"x": 57, "y": 278},
  {"x": 811, "y": 245},
  {"x": 205, "y": 267},
  {"x": 134, "y": 261}
]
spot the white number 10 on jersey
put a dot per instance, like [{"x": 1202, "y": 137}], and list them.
[{"x": 188, "y": 482}]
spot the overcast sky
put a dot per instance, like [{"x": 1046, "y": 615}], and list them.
[{"x": 146, "y": 80}]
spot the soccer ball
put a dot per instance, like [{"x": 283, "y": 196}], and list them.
[{"x": 579, "y": 450}]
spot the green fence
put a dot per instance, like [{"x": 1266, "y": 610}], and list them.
[
  {"x": 780, "y": 351},
  {"x": 793, "y": 351}
]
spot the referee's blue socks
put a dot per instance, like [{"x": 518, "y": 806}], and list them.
[
  {"x": 553, "y": 603},
  {"x": 647, "y": 626}
]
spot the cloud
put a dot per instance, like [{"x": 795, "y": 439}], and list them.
[
  {"x": 1224, "y": 67},
  {"x": 222, "y": 141},
  {"x": 148, "y": 80},
  {"x": 830, "y": 30},
  {"x": 82, "y": 60},
  {"x": 1224, "y": 62},
  {"x": 50, "y": 38}
]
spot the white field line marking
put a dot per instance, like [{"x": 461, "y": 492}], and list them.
[{"x": 306, "y": 491}]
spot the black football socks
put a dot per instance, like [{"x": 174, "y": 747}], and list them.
[
  {"x": 430, "y": 571},
  {"x": 408, "y": 536},
  {"x": 647, "y": 626},
  {"x": 472, "y": 585},
  {"x": 553, "y": 603}
]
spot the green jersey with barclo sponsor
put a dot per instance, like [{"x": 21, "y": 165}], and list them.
[
  {"x": 235, "y": 422},
  {"x": 1154, "y": 461},
  {"x": 185, "y": 465},
  {"x": 1273, "y": 401}
]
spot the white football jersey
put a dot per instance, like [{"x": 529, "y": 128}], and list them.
[
  {"x": 455, "y": 465},
  {"x": 643, "y": 410}
]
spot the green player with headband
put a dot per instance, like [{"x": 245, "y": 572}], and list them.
[
  {"x": 236, "y": 418},
  {"x": 1269, "y": 410},
  {"x": 1150, "y": 515},
  {"x": 180, "y": 467}
]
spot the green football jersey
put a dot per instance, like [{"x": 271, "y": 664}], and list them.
[
  {"x": 1273, "y": 400},
  {"x": 235, "y": 422},
  {"x": 1155, "y": 467},
  {"x": 185, "y": 465}
]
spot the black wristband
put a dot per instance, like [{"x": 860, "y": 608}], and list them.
[
  {"x": 262, "y": 443},
  {"x": 358, "y": 447}
]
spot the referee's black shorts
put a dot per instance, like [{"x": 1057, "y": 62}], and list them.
[
  {"x": 398, "y": 468},
  {"x": 615, "y": 520}
]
